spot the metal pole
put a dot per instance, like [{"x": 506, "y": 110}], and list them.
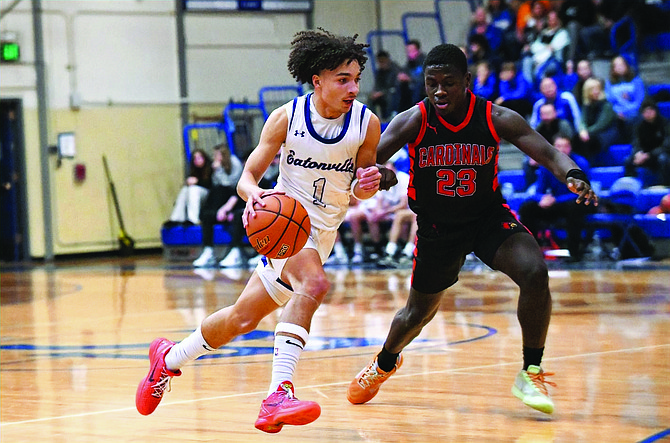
[
  {"x": 183, "y": 83},
  {"x": 43, "y": 132}
]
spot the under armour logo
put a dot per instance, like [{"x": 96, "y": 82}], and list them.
[{"x": 301, "y": 133}]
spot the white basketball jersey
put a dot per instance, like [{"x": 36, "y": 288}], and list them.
[{"x": 318, "y": 160}]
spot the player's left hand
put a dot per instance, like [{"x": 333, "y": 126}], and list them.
[
  {"x": 584, "y": 191},
  {"x": 368, "y": 178}
]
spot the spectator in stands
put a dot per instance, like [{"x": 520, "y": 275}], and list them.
[
  {"x": 478, "y": 51},
  {"x": 410, "y": 88},
  {"x": 550, "y": 127},
  {"x": 553, "y": 202},
  {"x": 587, "y": 37},
  {"x": 544, "y": 57},
  {"x": 375, "y": 212},
  {"x": 599, "y": 122},
  {"x": 403, "y": 222},
  {"x": 530, "y": 20},
  {"x": 186, "y": 208},
  {"x": 504, "y": 18},
  {"x": 482, "y": 25},
  {"x": 485, "y": 82},
  {"x": 651, "y": 146},
  {"x": 564, "y": 102},
  {"x": 584, "y": 71},
  {"x": 384, "y": 87},
  {"x": 514, "y": 90},
  {"x": 625, "y": 90},
  {"x": 222, "y": 205}
]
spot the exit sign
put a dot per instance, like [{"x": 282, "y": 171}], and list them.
[{"x": 9, "y": 52}]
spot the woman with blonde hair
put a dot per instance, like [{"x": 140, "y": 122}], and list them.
[{"x": 599, "y": 121}]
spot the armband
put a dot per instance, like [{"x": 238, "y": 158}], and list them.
[{"x": 578, "y": 174}]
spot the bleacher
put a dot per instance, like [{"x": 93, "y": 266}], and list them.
[{"x": 239, "y": 128}]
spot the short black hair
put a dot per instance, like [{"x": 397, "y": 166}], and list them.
[
  {"x": 314, "y": 51},
  {"x": 447, "y": 54}
]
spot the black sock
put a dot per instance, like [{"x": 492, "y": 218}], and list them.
[
  {"x": 386, "y": 361},
  {"x": 532, "y": 356}
]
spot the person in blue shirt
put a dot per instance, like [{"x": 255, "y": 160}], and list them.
[
  {"x": 564, "y": 102},
  {"x": 553, "y": 202},
  {"x": 514, "y": 91},
  {"x": 485, "y": 83},
  {"x": 626, "y": 91}
]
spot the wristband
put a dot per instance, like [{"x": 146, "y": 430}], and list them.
[
  {"x": 578, "y": 174},
  {"x": 353, "y": 185}
]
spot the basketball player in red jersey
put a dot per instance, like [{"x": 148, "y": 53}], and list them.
[
  {"x": 453, "y": 140},
  {"x": 327, "y": 143}
]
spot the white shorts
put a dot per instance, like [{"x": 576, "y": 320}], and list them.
[{"x": 269, "y": 270}]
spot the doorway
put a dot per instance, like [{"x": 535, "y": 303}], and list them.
[{"x": 13, "y": 201}]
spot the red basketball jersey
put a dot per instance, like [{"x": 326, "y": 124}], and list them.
[{"x": 453, "y": 169}]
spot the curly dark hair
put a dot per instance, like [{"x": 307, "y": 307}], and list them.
[
  {"x": 447, "y": 54},
  {"x": 316, "y": 51}
]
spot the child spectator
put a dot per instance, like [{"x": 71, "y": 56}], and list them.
[
  {"x": 485, "y": 81},
  {"x": 514, "y": 90}
]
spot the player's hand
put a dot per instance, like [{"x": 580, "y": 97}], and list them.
[
  {"x": 584, "y": 191},
  {"x": 256, "y": 197},
  {"x": 368, "y": 178},
  {"x": 388, "y": 179}
]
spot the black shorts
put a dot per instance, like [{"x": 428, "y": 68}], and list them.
[{"x": 441, "y": 248}]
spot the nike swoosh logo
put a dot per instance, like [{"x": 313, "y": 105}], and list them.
[
  {"x": 289, "y": 342},
  {"x": 153, "y": 370}
]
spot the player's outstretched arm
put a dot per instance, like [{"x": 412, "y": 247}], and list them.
[
  {"x": 512, "y": 127},
  {"x": 402, "y": 129}
]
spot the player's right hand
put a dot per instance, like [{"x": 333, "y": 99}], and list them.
[{"x": 388, "y": 179}]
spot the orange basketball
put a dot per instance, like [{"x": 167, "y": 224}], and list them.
[{"x": 281, "y": 228}]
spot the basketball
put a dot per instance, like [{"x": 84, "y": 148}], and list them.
[{"x": 281, "y": 228}]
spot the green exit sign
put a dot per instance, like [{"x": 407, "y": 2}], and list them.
[{"x": 9, "y": 51}]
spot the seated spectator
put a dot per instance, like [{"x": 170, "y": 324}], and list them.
[
  {"x": 404, "y": 226},
  {"x": 186, "y": 208},
  {"x": 385, "y": 81},
  {"x": 410, "y": 87},
  {"x": 514, "y": 90},
  {"x": 222, "y": 205},
  {"x": 587, "y": 37},
  {"x": 584, "y": 71},
  {"x": 625, "y": 90},
  {"x": 478, "y": 51},
  {"x": 599, "y": 121},
  {"x": 553, "y": 202},
  {"x": 551, "y": 125},
  {"x": 485, "y": 81},
  {"x": 481, "y": 25},
  {"x": 651, "y": 146},
  {"x": 530, "y": 20},
  {"x": 504, "y": 18},
  {"x": 544, "y": 57},
  {"x": 374, "y": 212},
  {"x": 564, "y": 102}
]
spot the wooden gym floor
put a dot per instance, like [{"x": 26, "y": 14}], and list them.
[{"x": 75, "y": 334}]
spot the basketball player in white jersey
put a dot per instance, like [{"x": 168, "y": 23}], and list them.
[{"x": 327, "y": 141}]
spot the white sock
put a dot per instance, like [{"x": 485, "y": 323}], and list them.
[
  {"x": 287, "y": 353},
  {"x": 408, "y": 250},
  {"x": 391, "y": 248},
  {"x": 187, "y": 350},
  {"x": 358, "y": 248}
]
